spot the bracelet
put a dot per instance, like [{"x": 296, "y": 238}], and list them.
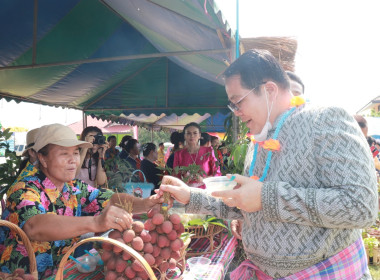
[{"x": 101, "y": 158}]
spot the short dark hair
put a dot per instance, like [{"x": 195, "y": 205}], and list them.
[
  {"x": 45, "y": 150},
  {"x": 361, "y": 121},
  {"x": 124, "y": 140},
  {"x": 214, "y": 138},
  {"x": 192, "y": 124},
  {"x": 161, "y": 144},
  {"x": 130, "y": 144},
  {"x": 147, "y": 148},
  {"x": 176, "y": 138},
  {"x": 295, "y": 78},
  {"x": 255, "y": 67},
  {"x": 87, "y": 130},
  {"x": 371, "y": 140},
  {"x": 205, "y": 137},
  {"x": 111, "y": 137}
]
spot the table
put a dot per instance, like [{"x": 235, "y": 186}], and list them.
[{"x": 220, "y": 260}]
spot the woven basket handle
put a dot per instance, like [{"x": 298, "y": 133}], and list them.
[
  {"x": 125, "y": 247},
  {"x": 27, "y": 244},
  {"x": 133, "y": 173}
]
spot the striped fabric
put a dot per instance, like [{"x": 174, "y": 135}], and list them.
[
  {"x": 348, "y": 264},
  {"x": 220, "y": 260}
]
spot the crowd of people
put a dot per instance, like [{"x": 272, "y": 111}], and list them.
[{"x": 308, "y": 187}]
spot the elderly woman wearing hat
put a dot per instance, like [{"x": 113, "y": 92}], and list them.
[{"x": 54, "y": 210}]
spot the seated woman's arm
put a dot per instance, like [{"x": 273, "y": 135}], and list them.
[
  {"x": 95, "y": 211},
  {"x": 50, "y": 227}
]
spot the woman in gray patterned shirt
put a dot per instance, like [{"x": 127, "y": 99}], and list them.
[{"x": 303, "y": 200}]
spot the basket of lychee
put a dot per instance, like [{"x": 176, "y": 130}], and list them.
[
  {"x": 19, "y": 273},
  {"x": 158, "y": 241}
]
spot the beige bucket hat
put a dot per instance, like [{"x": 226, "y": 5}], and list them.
[
  {"x": 58, "y": 134},
  {"x": 30, "y": 140}
]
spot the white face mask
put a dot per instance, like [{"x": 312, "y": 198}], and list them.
[{"x": 262, "y": 136}]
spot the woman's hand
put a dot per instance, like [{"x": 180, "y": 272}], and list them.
[
  {"x": 246, "y": 195},
  {"x": 236, "y": 228},
  {"x": 101, "y": 149},
  {"x": 89, "y": 138},
  {"x": 153, "y": 201},
  {"x": 112, "y": 217},
  {"x": 177, "y": 189}
]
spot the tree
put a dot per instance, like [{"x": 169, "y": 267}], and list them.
[
  {"x": 145, "y": 136},
  {"x": 9, "y": 169}
]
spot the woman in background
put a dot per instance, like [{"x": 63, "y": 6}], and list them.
[
  {"x": 177, "y": 139},
  {"x": 149, "y": 167},
  {"x": 123, "y": 154},
  {"x": 194, "y": 154},
  {"x": 91, "y": 169}
]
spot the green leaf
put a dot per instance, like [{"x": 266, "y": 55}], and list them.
[
  {"x": 196, "y": 222},
  {"x": 211, "y": 219},
  {"x": 218, "y": 224},
  {"x": 186, "y": 235}
]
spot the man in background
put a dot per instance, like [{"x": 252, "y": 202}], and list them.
[
  {"x": 161, "y": 155},
  {"x": 296, "y": 85},
  {"x": 111, "y": 152}
]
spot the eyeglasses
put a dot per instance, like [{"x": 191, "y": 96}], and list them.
[{"x": 234, "y": 106}]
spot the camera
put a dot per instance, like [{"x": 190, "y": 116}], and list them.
[{"x": 99, "y": 139}]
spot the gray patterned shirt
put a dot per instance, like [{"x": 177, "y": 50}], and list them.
[{"x": 320, "y": 191}]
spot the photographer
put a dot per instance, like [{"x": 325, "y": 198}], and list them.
[{"x": 91, "y": 168}]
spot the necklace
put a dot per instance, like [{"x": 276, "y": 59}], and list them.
[
  {"x": 269, "y": 156},
  {"x": 196, "y": 156}
]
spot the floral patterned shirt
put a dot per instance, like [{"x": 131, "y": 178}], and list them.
[{"x": 34, "y": 194}]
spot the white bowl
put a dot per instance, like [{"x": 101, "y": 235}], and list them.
[
  {"x": 90, "y": 261},
  {"x": 221, "y": 183},
  {"x": 198, "y": 265}
]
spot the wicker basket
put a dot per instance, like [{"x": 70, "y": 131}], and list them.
[
  {"x": 27, "y": 244},
  {"x": 210, "y": 234},
  {"x": 125, "y": 247}
]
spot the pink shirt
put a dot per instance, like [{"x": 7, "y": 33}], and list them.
[
  {"x": 205, "y": 158},
  {"x": 85, "y": 176}
]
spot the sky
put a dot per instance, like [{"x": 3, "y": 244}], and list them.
[{"x": 338, "y": 54}]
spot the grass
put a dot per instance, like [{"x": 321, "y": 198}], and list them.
[{"x": 375, "y": 271}]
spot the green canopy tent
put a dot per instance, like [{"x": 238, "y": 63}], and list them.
[{"x": 112, "y": 57}]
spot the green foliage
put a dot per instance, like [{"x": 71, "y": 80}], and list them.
[
  {"x": 374, "y": 113},
  {"x": 145, "y": 136},
  {"x": 9, "y": 169},
  {"x": 118, "y": 172},
  {"x": 238, "y": 149},
  {"x": 205, "y": 223},
  {"x": 371, "y": 242},
  {"x": 375, "y": 271},
  {"x": 188, "y": 173}
]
